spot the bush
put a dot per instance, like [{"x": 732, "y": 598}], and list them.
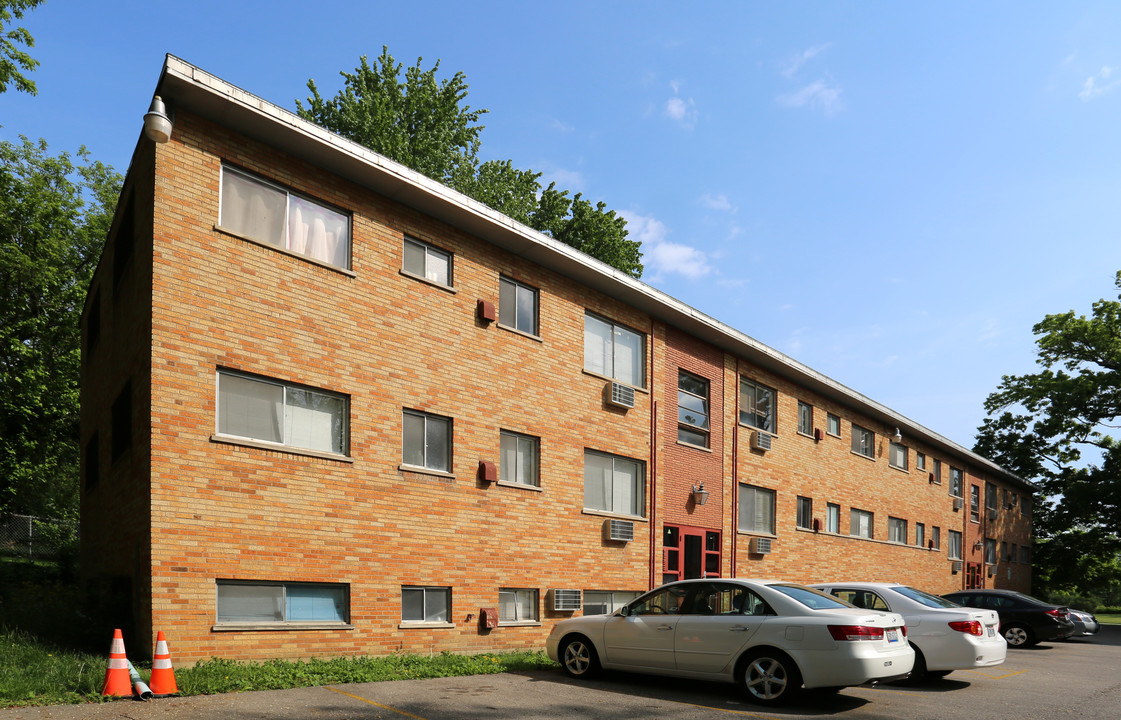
[{"x": 1078, "y": 601}]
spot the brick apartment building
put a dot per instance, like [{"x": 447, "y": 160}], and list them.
[{"x": 330, "y": 406}]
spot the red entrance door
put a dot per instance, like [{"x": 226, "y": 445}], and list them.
[
  {"x": 689, "y": 552},
  {"x": 974, "y": 579}
]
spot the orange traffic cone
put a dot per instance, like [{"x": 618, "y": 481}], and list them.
[
  {"x": 162, "y": 681},
  {"x": 117, "y": 681}
]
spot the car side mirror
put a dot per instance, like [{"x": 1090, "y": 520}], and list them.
[{"x": 624, "y": 611}]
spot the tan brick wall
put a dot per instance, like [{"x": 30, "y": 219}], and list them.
[{"x": 222, "y": 510}]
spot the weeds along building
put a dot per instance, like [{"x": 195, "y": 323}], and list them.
[{"x": 330, "y": 406}]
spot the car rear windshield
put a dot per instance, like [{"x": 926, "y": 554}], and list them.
[
  {"x": 925, "y": 598},
  {"x": 810, "y": 598}
]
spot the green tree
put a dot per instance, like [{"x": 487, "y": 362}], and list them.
[
  {"x": 54, "y": 216},
  {"x": 424, "y": 123},
  {"x": 1053, "y": 427},
  {"x": 12, "y": 59}
]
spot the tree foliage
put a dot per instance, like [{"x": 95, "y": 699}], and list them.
[
  {"x": 424, "y": 123},
  {"x": 12, "y": 59},
  {"x": 1054, "y": 427},
  {"x": 54, "y": 216}
]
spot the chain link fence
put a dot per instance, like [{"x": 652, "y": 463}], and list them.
[{"x": 36, "y": 538}]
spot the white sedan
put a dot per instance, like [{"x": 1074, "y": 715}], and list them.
[
  {"x": 773, "y": 637},
  {"x": 946, "y": 636}
]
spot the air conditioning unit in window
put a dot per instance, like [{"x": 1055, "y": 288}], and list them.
[
  {"x": 619, "y": 530},
  {"x": 761, "y": 441},
  {"x": 957, "y": 504},
  {"x": 619, "y": 395},
  {"x": 992, "y": 570},
  {"x": 566, "y": 600},
  {"x": 760, "y": 546},
  {"x": 955, "y": 567},
  {"x": 992, "y": 514}
]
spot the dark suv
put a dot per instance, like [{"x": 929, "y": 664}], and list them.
[{"x": 1024, "y": 620}]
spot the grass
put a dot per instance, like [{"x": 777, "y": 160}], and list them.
[
  {"x": 1109, "y": 619},
  {"x": 33, "y": 672}
]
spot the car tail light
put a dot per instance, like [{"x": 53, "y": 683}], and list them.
[
  {"x": 1058, "y": 613},
  {"x": 970, "y": 627},
  {"x": 856, "y": 632}
]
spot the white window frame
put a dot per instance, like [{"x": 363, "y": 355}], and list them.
[
  {"x": 897, "y": 455},
  {"x": 920, "y": 534},
  {"x": 863, "y": 442},
  {"x": 833, "y": 518},
  {"x": 936, "y": 537},
  {"x": 957, "y": 482},
  {"x": 805, "y": 418},
  {"x": 804, "y": 517},
  {"x": 337, "y": 595},
  {"x": 920, "y": 460},
  {"x": 287, "y": 427},
  {"x": 897, "y": 530},
  {"x": 953, "y": 544},
  {"x": 610, "y": 600},
  {"x": 513, "y": 296},
  {"x": 751, "y": 395},
  {"x": 431, "y": 270},
  {"x": 862, "y": 523},
  {"x": 426, "y": 592},
  {"x": 833, "y": 424},
  {"x": 688, "y": 422},
  {"x": 524, "y": 604},
  {"x": 525, "y": 451},
  {"x": 428, "y": 442},
  {"x": 286, "y": 242},
  {"x": 609, "y": 362},
  {"x": 759, "y": 503},
  {"x": 937, "y": 471},
  {"x": 612, "y": 495}
]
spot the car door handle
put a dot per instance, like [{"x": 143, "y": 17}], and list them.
[
  {"x": 665, "y": 627},
  {"x": 738, "y": 628}
]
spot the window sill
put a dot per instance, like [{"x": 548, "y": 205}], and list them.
[
  {"x": 279, "y": 626},
  {"x": 523, "y": 333},
  {"x": 520, "y": 623},
  {"x": 519, "y": 486},
  {"x": 417, "y": 470},
  {"x": 438, "y": 285},
  {"x": 636, "y": 388},
  {"x": 425, "y": 626},
  {"x": 277, "y": 447},
  {"x": 286, "y": 251},
  {"x": 607, "y": 514},
  {"x": 756, "y": 533},
  {"x": 702, "y": 448},
  {"x": 866, "y": 457},
  {"x": 903, "y": 470}
]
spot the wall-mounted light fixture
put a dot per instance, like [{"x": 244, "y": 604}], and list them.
[
  {"x": 157, "y": 123},
  {"x": 897, "y": 436},
  {"x": 700, "y": 495},
  {"x": 978, "y": 545}
]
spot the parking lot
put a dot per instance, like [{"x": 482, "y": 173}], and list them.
[{"x": 1072, "y": 679}]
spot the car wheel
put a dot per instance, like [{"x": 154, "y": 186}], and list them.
[
  {"x": 938, "y": 673},
  {"x": 1018, "y": 636},
  {"x": 770, "y": 677},
  {"x": 578, "y": 657},
  {"x": 919, "y": 671}
]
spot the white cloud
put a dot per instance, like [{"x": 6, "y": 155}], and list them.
[
  {"x": 817, "y": 94},
  {"x": 565, "y": 179},
  {"x": 682, "y": 111},
  {"x": 662, "y": 257},
  {"x": 563, "y": 126},
  {"x": 795, "y": 64},
  {"x": 718, "y": 202},
  {"x": 1099, "y": 84}
]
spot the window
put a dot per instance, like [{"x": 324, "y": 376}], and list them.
[
  {"x": 953, "y": 548},
  {"x": 1025, "y": 554},
  {"x": 833, "y": 424},
  {"x": 93, "y": 461},
  {"x": 863, "y": 441},
  {"x": 920, "y": 461},
  {"x": 955, "y": 482},
  {"x": 991, "y": 498},
  {"x": 833, "y": 518},
  {"x": 975, "y": 503},
  {"x": 897, "y": 457},
  {"x": 692, "y": 409},
  {"x": 920, "y": 535},
  {"x": 613, "y": 484},
  {"x": 427, "y": 441},
  {"x": 897, "y": 530},
  {"x": 518, "y": 459},
  {"x": 121, "y": 418},
  {"x": 861, "y": 523},
  {"x": 805, "y": 418},
  {"x": 757, "y": 510},
  {"x": 990, "y": 551},
  {"x": 426, "y": 604},
  {"x": 614, "y": 351},
  {"x": 665, "y": 601},
  {"x": 805, "y": 517},
  {"x": 93, "y": 323},
  {"x": 261, "y": 211},
  {"x": 936, "y": 537},
  {"x": 937, "y": 471},
  {"x": 1004, "y": 554},
  {"x": 423, "y": 260},
  {"x": 274, "y": 602},
  {"x": 275, "y": 412},
  {"x": 517, "y": 606},
  {"x": 757, "y": 405},
  {"x": 517, "y": 306},
  {"x": 601, "y": 602}
]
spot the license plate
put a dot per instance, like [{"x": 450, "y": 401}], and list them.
[
  {"x": 992, "y": 631},
  {"x": 892, "y": 636}
]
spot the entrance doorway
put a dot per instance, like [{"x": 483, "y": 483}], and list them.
[
  {"x": 689, "y": 552},
  {"x": 974, "y": 579}
]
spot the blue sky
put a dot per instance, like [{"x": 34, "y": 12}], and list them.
[{"x": 891, "y": 193}]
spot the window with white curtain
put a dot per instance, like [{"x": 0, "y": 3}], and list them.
[
  {"x": 276, "y": 412},
  {"x": 757, "y": 509},
  {"x": 897, "y": 530},
  {"x": 613, "y": 484},
  {"x": 518, "y": 459},
  {"x": 256, "y": 209},
  {"x": 833, "y": 518},
  {"x": 423, "y": 260},
  {"x": 861, "y": 523},
  {"x": 614, "y": 351},
  {"x": 953, "y": 551},
  {"x": 517, "y": 605}
]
